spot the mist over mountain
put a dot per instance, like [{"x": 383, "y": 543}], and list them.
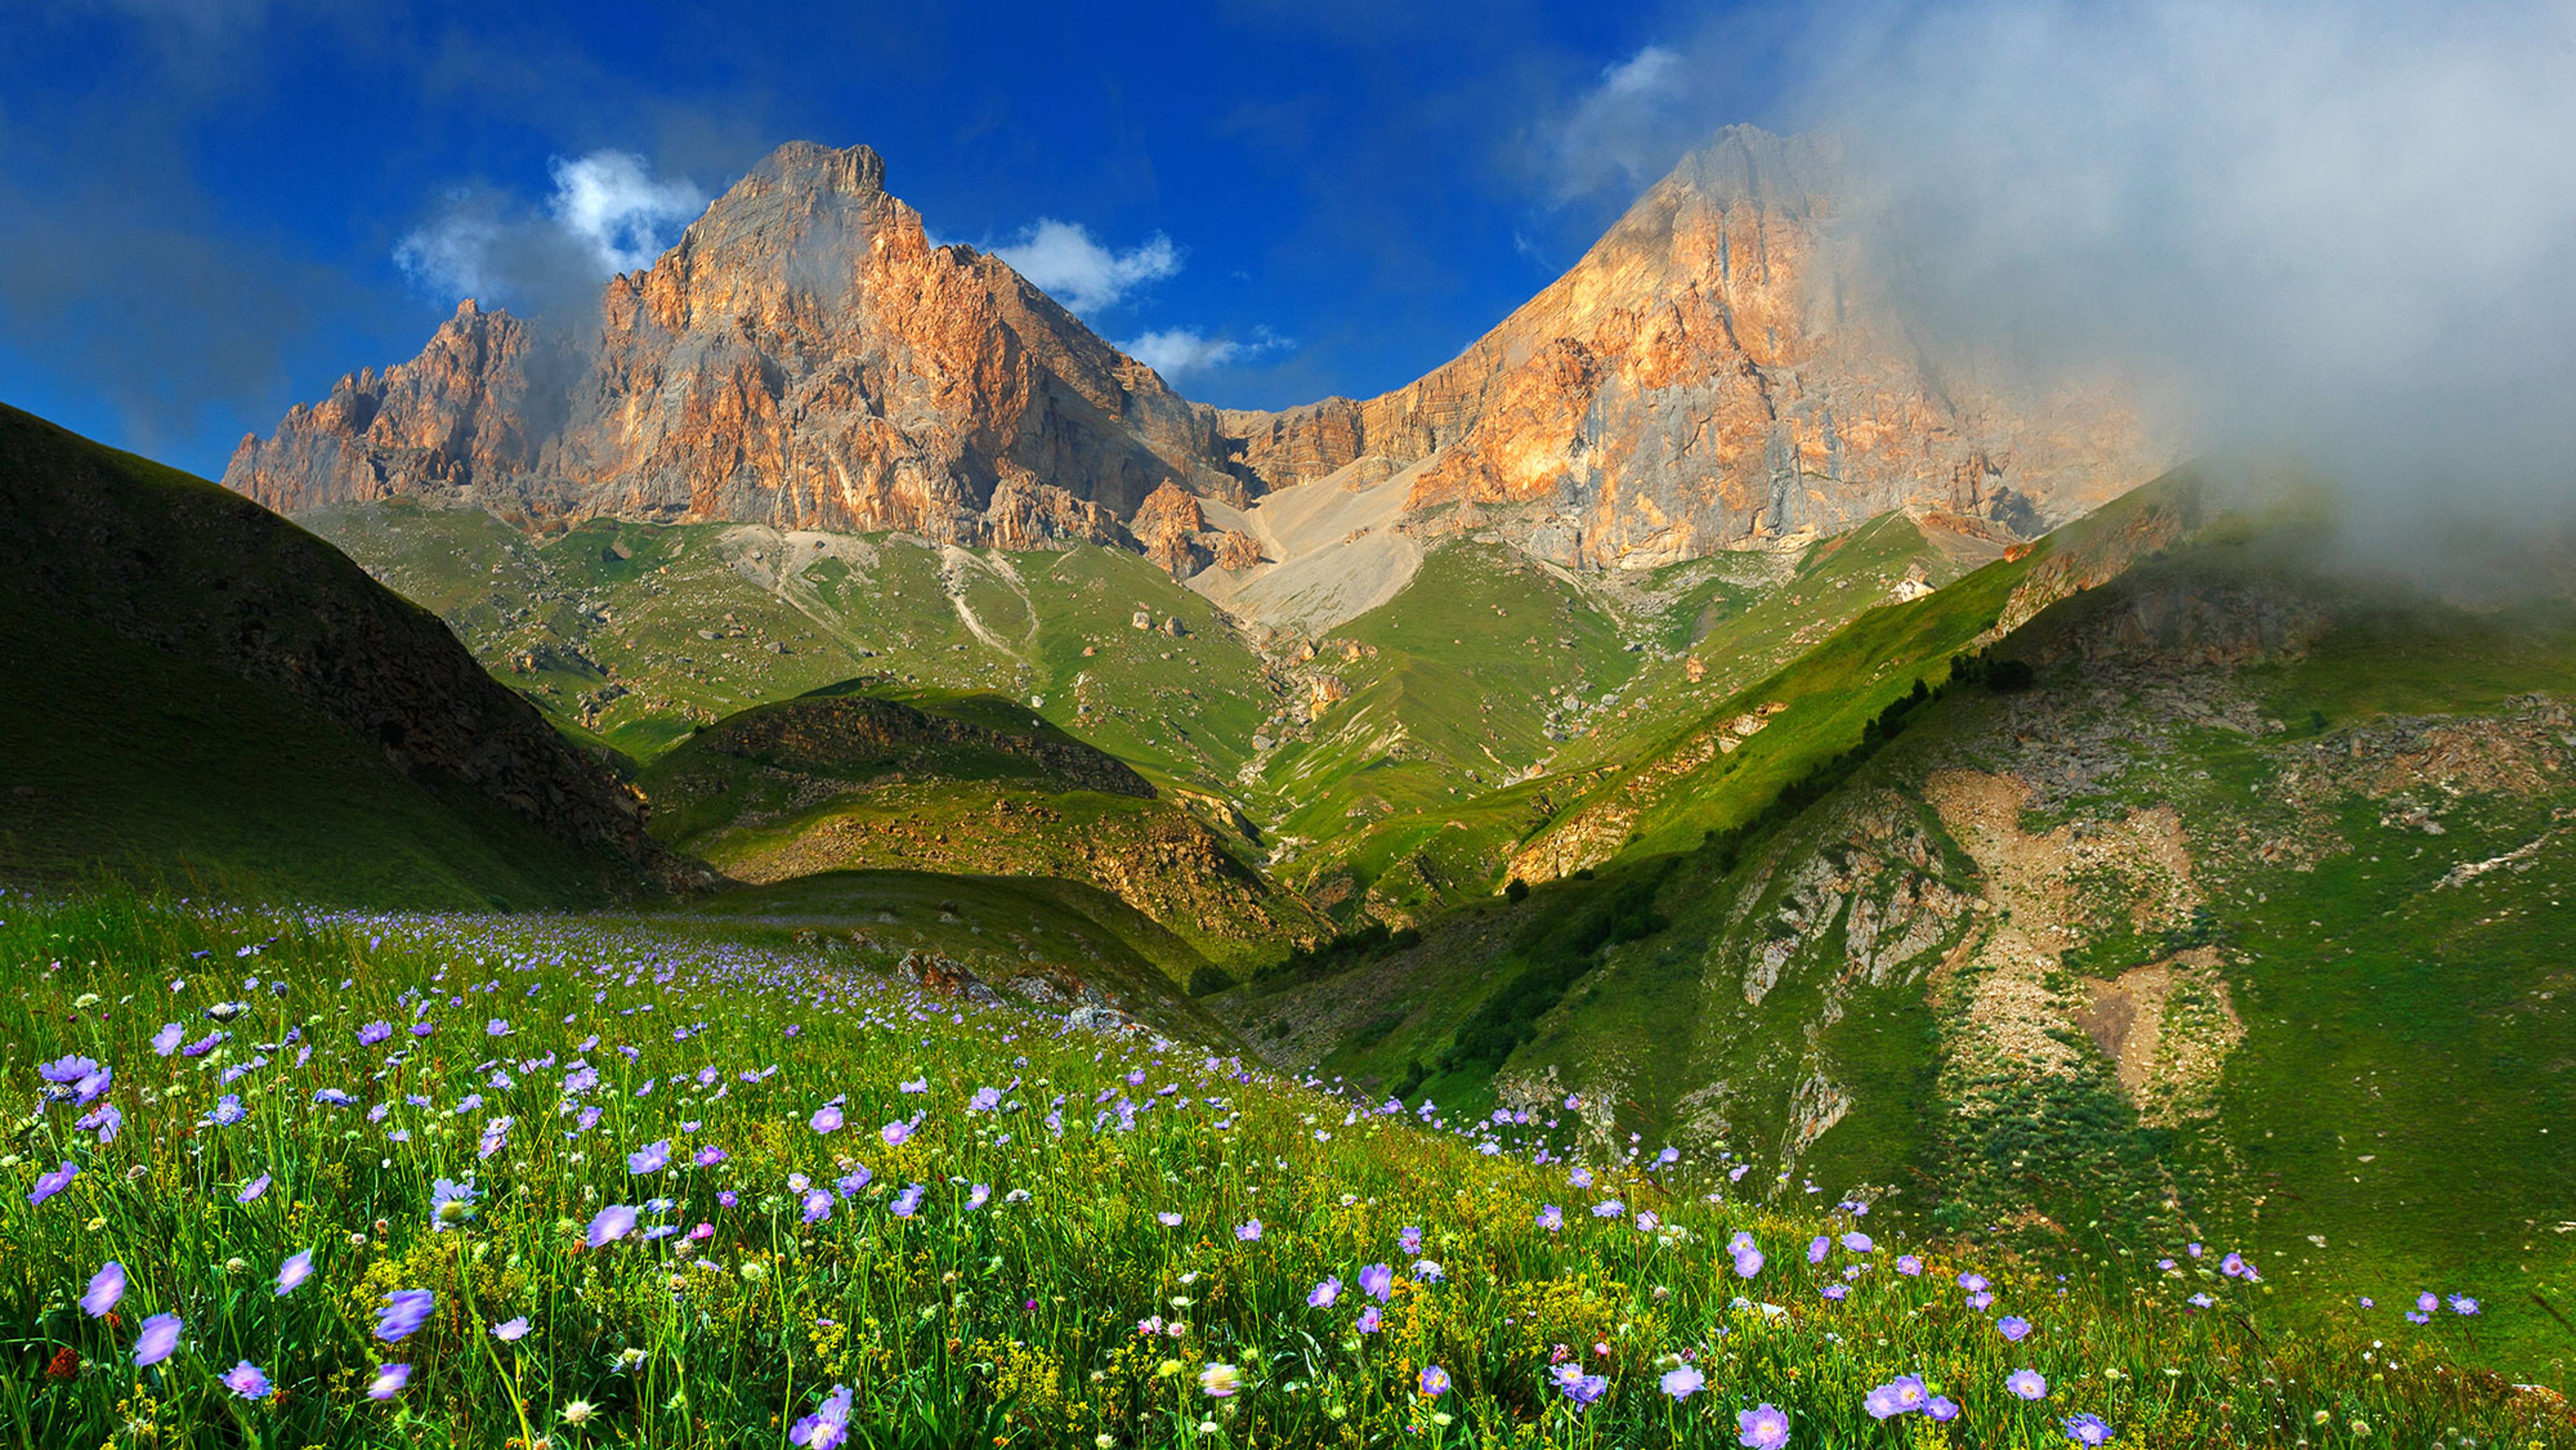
[{"x": 2340, "y": 240}]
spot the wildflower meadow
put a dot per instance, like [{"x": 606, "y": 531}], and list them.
[{"x": 287, "y": 1180}]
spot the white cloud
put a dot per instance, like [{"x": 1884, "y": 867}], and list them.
[
  {"x": 609, "y": 213},
  {"x": 2349, "y": 233},
  {"x": 1651, "y": 72},
  {"x": 451, "y": 256},
  {"x": 1179, "y": 351},
  {"x": 1062, "y": 260},
  {"x": 1627, "y": 128},
  {"x": 610, "y": 201}
]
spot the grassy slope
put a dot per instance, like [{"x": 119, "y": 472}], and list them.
[
  {"x": 130, "y": 761},
  {"x": 2427, "y": 1029},
  {"x": 978, "y": 809},
  {"x": 1006, "y": 1320},
  {"x": 627, "y": 605},
  {"x": 136, "y": 761},
  {"x": 1403, "y": 821}
]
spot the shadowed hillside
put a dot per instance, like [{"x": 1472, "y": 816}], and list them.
[{"x": 197, "y": 686}]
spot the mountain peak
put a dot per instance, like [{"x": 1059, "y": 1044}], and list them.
[
  {"x": 803, "y": 357},
  {"x": 812, "y": 166}
]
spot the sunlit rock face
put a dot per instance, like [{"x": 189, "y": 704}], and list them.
[
  {"x": 1718, "y": 371},
  {"x": 805, "y": 358}
]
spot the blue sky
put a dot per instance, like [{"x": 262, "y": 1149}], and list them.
[{"x": 210, "y": 204}]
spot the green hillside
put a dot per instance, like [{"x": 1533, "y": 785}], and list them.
[
  {"x": 858, "y": 777},
  {"x": 200, "y": 693},
  {"x": 2243, "y": 918},
  {"x": 128, "y": 761},
  {"x": 642, "y": 633}
]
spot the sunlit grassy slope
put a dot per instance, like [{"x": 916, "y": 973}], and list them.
[
  {"x": 646, "y": 632},
  {"x": 976, "y": 784},
  {"x": 2376, "y": 880},
  {"x": 1490, "y": 669},
  {"x": 482, "y": 1182}
]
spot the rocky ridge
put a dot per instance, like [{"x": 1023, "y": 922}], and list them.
[
  {"x": 803, "y": 358},
  {"x": 1715, "y": 373}
]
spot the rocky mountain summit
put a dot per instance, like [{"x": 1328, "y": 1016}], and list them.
[
  {"x": 803, "y": 358},
  {"x": 1717, "y": 372}
]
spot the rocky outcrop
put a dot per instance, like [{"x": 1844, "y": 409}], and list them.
[
  {"x": 1716, "y": 371},
  {"x": 803, "y": 358}
]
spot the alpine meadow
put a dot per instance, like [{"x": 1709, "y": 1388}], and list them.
[{"x": 1810, "y": 728}]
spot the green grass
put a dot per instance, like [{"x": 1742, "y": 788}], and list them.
[
  {"x": 620, "y": 642},
  {"x": 200, "y": 693},
  {"x": 1013, "y": 1321},
  {"x": 130, "y": 761}
]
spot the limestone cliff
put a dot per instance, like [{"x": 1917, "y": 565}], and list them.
[
  {"x": 804, "y": 358},
  {"x": 1716, "y": 371}
]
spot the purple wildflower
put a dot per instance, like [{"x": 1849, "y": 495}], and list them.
[
  {"x": 2027, "y": 1383},
  {"x": 253, "y": 1190},
  {"x": 1435, "y": 1381},
  {"x": 652, "y": 1158},
  {"x": 389, "y": 1381},
  {"x": 826, "y": 1119},
  {"x": 1577, "y": 1386},
  {"x": 2013, "y": 1327},
  {"x": 828, "y": 1427},
  {"x": 159, "y": 1338},
  {"x": 450, "y": 1204},
  {"x": 292, "y": 1274},
  {"x": 2087, "y": 1430},
  {"x": 1248, "y": 1231},
  {"x": 406, "y": 1310},
  {"x": 611, "y": 1224},
  {"x": 106, "y": 1120},
  {"x": 105, "y": 1288},
  {"x": 906, "y": 1203},
  {"x": 167, "y": 1040},
  {"x": 1378, "y": 1282},
  {"x": 49, "y": 1184},
  {"x": 247, "y": 1380},
  {"x": 1764, "y": 1427},
  {"x": 1684, "y": 1382}
]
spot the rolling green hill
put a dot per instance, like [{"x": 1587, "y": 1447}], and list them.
[
  {"x": 975, "y": 784},
  {"x": 642, "y": 633},
  {"x": 202, "y": 693}
]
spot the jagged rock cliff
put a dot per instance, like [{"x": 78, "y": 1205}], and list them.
[
  {"x": 1715, "y": 371},
  {"x": 803, "y": 358}
]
